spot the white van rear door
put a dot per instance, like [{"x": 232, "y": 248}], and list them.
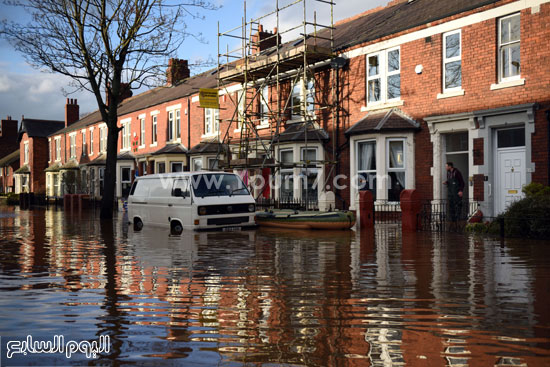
[{"x": 180, "y": 205}]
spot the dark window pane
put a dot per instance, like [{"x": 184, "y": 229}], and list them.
[
  {"x": 397, "y": 184},
  {"x": 511, "y": 138},
  {"x": 394, "y": 86},
  {"x": 373, "y": 65},
  {"x": 367, "y": 181},
  {"x": 393, "y": 60},
  {"x": 453, "y": 74},
  {"x": 367, "y": 156},
  {"x": 457, "y": 142},
  {"x": 452, "y": 45}
]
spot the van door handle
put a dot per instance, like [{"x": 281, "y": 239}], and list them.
[{"x": 169, "y": 204}]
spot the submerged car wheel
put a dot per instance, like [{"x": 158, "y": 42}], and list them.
[
  {"x": 176, "y": 227},
  {"x": 138, "y": 224}
]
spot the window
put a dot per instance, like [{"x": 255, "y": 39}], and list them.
[
  {"x": 366, "y": 166},
  {"x": 508, "y": 138},
  {"x": 126, "y": 135},
  {"x": 142, "y": 132},
  {"x": 144, "y": 168},
  {"x": 287, "y": 175},
  {"x": 197, "y": 164},
  {"x": 161, "y": 168},
  {"x": 102, "y": 139},
  {"x": 176, "y": 166},
  {"x": 72, "y": 145},
  {"x": 125, "y": 181},
  {"x": 170, "y": 125},
  {"x": 49, "y": 150},
  {"x": 211, "y": 121},
  {"x": 26, "y": 153},
  {"x": 84, "y": 143},
  {"x": 241, "y": 108},
  {"x": 383, "y": 76},
  {"x": 212, "y": 164},
  {"x": 309, "y": 175},
  {"x": 57, "y": 148},
  {"x": 178, "y": 127},
  {"x": 264, "y": 106},
  {"x": 452, "y": 65},
  {"x": 154, "y": 129},
  {"x": 509, "y": 48},
  {"x": 303, "y": 92},
  {"x": 91, "y": 141},
  {"x": 183, "y": 185},
  {"x": 396, "y": 168}
]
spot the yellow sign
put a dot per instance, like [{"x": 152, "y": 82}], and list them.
[
  {"x": 209, "y": 98},
  {"x": 512, "y": 191}
]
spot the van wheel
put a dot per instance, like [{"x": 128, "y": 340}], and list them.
[
  {"x": 176, "y": 227},
  {"x": 138, "y": 224}
]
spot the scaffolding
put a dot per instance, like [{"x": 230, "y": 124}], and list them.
[{"x": 261, "y": 62}]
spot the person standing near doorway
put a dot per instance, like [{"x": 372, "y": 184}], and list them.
[{"x": 455, "y": 191}]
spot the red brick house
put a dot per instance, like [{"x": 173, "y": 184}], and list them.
[
  {"x": 8, "y": 148},
  {"x": 423, "y": 82}
]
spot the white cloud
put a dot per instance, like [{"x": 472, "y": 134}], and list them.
[{"x": 37, "y": 95}]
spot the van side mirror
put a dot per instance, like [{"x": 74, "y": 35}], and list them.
[{"x": 178, "y": 192}]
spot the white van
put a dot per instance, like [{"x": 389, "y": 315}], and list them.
[{"x": 198, "y": 200}]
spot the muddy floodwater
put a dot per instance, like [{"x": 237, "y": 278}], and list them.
[{"x": 266, "y": 297}]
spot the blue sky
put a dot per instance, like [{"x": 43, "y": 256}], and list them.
[{"x": 38, "y": 94}]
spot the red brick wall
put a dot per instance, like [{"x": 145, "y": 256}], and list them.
[
  {"x": 479, "y": 187},
  {"x": 478, "y": 152}
]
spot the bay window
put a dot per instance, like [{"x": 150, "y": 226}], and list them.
[
  {"x": 366, "y": 166},
  {"x": 286, "y": 158},
  {"x": 395, "y": 168}
]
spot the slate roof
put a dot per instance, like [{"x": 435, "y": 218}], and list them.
[
  {"x": 10, "y": 158},
  {"x": 24, "y": 169},
  {"x": 297, "y": 132},
  {"x": 383, "y": 120},
  {"x": 205, "y": 147},
  {"x": 125, "y": 156},
  {"x": 366, "y": 27},
  {"x": 171, "y": 149},
  {"x": 39, "y": 128},
  {"x": 98, "y": 161},
  {"x": 53, "y": 168}
]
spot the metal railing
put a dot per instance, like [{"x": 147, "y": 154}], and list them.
[
  {"x": 436, "y": 215},
  {"x": 290, "y": 203},
  {"x": 388, "y": 212}
]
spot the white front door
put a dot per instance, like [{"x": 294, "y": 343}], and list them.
[{"x": 511, "y": 177}]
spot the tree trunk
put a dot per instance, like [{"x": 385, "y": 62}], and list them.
[{"x": 109, "y": 181}]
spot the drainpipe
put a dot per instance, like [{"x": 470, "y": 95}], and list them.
[
  {"x": 188, "y": 132},
  {"x": 548, "y": 146}
]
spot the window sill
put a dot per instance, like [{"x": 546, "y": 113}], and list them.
[
  {"x": 512, "y": 83},
  {"x": 450, "y": 94},
  {"x": 141, "y": 147},
  {"x": 153, "y": 145},
  {"x": 300, "y": 119},
  {"x": 381, "y": 106},
  {"x": 261, "y": 127},
  {"x": 209, "y": 135}
]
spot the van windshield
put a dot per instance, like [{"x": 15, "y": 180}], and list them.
[{"x": 218, "y": 184}]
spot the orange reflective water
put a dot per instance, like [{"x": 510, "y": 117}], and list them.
[{"x": 271, "y": 297}]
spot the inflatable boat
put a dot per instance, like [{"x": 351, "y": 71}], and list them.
[{"x": 306, "y": 219}]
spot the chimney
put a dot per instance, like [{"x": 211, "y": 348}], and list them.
[
  {"x": 72, "y": 112},
  {"x": 264, "y": 40},
  {"x": 125, "y": 92},
  {"x": 177, "y": 71}
]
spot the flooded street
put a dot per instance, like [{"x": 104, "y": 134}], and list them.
[{"x": 270, "y": 297}]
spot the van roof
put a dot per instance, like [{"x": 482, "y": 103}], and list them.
[{"x": 181, "y": 174}]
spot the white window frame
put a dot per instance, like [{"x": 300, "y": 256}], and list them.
[
  {"x": 451, "y": 59},
  {"x": 154, "y": 131},
  {"x": 177, "y": 125},
  {"x": 26, "y": 152},
  {"x": 286, "y": 171},
  {"x": 176, "y": 163},
  {"x": 170, "y": 122},
  {"x": 57, "y": 143},
  {"x": 125, "y": 143},
  {"x": 102, "y": 139},
  {"x": 303, "y": 94},
  {"x": 212, "y": 159},
  {"x": 211, "y": 121},
  {"x": 172, "y": 112},
  {"x": 357, "y": 159},
  {"x": 501, "y": 78},
  {"x": 84, "y": 143},
  {"x": 49, "y": 150},
  {"x": 72, "y": 145},
  {"x": 383, "y": 75},
  {"x": 141, "y": 131},
  {"x": 388, "y": 169},
  {"x": 264, "y": 108},
  {"x": 91, "y": 141}
]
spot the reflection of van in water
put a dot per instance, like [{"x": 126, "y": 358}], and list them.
[{"x": 205, "y": 200}]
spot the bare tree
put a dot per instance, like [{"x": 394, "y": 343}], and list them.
[{"x": 106, "y": 47}]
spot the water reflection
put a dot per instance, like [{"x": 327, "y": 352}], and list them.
[{"x": 378, "y": 298}]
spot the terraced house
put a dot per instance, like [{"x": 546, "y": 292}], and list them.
[{"x": 379, "y": 101}]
